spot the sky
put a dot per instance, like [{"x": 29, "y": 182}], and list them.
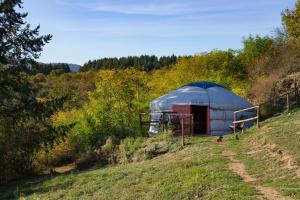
[{"x": 91, "y": 29}]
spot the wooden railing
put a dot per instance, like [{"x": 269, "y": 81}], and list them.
[
  {"x": 165, "y": 120},
  {"x": 277, "y": 104},
  {"x": 236, "y": 122},
  {"x": 285, "y": 101}
]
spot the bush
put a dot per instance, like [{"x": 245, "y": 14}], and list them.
[
  {"x": 266, "y": 72},
  {"x": 128, "y": 147},
  {"x": 61, "y": 154},
  {"x": 131, "y": 149},
  {"x": 89, "y": 159},
  {"x": 108, "y": 150},
  {"x": 268, "y": 110}
]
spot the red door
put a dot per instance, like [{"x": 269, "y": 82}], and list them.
[{"x": 198, "y": 124}]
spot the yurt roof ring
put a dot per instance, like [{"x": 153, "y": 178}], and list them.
[{"x": 204, "y": 85}]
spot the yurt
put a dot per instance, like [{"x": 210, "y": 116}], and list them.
[{"x": 211, "y": 105}]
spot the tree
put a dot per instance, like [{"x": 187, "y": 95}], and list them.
[
  {"x": 144, "y": 62},
  {"x": 49, "y": 68},
  {"x": 255, "y": 47},
  {"x": 19, "y": 44},
  {"x": 291, "y": 22},
  {"x": 111, "y": 111},
  {"x": 25, "y": 121}
]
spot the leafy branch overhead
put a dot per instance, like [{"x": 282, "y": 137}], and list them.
[{"x": 18, "y": 41}]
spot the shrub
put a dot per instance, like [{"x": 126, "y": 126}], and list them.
[
  {"x": 267, "y": 71},
  {"x": 268, "y": 110},
  {"x": 61, "y": 154},
  {"x": 128, "y": 147},
  {"x": 89, "y": 159},
  {"x": 108, "y": 150}
]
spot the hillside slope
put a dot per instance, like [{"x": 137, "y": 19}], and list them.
[
  {"x": 272, "y": 154},
  {"x": 263, "y": 164}
]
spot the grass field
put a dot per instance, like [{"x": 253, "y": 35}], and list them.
[{"x": 271, "y": 155}]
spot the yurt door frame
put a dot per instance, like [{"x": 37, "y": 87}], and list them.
[{"x": 200, "y": 118}]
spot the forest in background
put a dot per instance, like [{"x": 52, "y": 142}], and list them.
[
  {"x": 50, "y": 117},
  {"x": 144, "y": 62}
]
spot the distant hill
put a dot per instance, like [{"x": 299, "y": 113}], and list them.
[
  {"x": 47, "y": 68},
  {"x": 74, "y": 67}
]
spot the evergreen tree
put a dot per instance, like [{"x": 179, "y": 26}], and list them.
[
  {"x": 18, "y": 42},
  {"x": 144, "y": 62},
  {"x": 25, "y": 125}
]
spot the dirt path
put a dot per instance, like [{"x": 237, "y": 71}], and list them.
[{"x": 239, "y": 168}]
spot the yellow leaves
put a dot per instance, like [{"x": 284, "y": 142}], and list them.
[
  {"x": 112, "y": 108},
  {"x": 118, "y": 81},
  {"x": 64, "y": 117},
  {"x": 239, "y": 91},
  {"x": 221, "y": 67},
  {"x": 290, "y": 19},
  {"x": 41, "y": 99},
  {"x": 119, "y": 93},
  {"x": 115, "y": 98}
]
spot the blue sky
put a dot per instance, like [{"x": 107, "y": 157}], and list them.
[{"x": 91, "y": 29}]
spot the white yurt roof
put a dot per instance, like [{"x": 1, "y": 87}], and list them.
[{"x": 200, "y": 93}]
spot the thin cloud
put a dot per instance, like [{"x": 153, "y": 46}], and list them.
[
  {"x": 166, "y": 8},
  {"x": 155, "y": 9}
]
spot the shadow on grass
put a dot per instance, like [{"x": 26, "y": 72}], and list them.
[
  {"x": 36, "y": 184},
  {"x": 41, "y": 184}
]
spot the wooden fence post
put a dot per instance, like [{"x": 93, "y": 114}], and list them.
[
  {"x": 182, "y": 133},
  {"x": 257, "y": 120},
  {"x": 234, "y": 119}
]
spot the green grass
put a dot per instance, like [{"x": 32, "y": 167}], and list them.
[
  {"x": 263, "y": 150},
  {"x": 199, "y": 171},
  {"x": 196, "y": 172}
]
